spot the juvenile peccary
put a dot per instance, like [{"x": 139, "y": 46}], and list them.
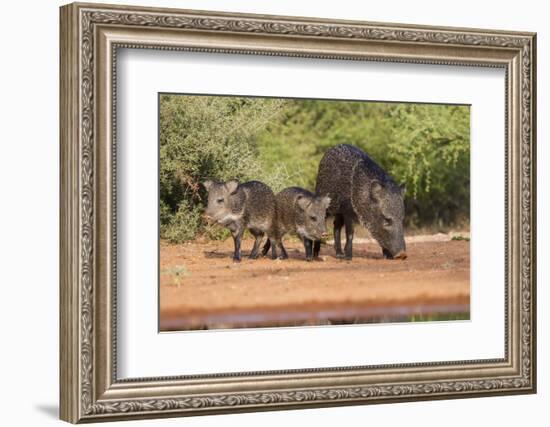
[
  {"x": 361, "y": 191},
  {"x": 250, "y": 205},
  {"x": 300, "y": 212}
]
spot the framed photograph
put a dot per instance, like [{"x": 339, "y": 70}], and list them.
[{"x": 265, "y": 212}]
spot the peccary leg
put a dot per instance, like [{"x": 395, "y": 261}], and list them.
[
  {"x": 348, "y": 249},
  {"x": 281, "y": 249},
  {"x": 237, "y": 236},
  {"x": 316, "y": 248},
  {"x": 266, "y": 247},
  {"x": 309, "y": 249},
  {"x": 274, "y": 249},
  {"x": 338, "y": 224},
  {"x": 255, "y": 250}
]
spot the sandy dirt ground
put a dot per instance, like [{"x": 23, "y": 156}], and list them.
[{"x": 202, "y": 288}]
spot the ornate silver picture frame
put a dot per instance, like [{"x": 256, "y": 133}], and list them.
[{"x": 90, "y": 387}]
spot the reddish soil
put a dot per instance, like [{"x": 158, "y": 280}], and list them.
[{"x": 202, "y": 288}]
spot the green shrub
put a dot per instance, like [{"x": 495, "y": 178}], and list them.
[
  {"x": 280, "y": 142},
  {"x": 182, "y": 225},
  {"x": 426, "y": 147},
  {"x": 204, "y": 137},
  {"x": 430, "y": 152}
]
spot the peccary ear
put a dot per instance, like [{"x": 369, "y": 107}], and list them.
[
  {"x": 326, "y": 202},
  {"x": 403, "y": 189},
  {"x": 231, "y": 186},
  {"x": 207, "y": 184},
  {"x": 303, "y": 202},
  {"x": 376, "y": 190}
]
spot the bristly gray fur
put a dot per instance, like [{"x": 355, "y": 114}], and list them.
[
  {"x": 361, "y": 191},
  {"x": 301, "y": 212},
  {"x": 250, "y": 205}
]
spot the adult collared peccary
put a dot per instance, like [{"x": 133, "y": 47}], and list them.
[
  {"x": 300, "y": 212},
  {"x": 250, "y": 205},
  {"x": 361, "y": 191}
]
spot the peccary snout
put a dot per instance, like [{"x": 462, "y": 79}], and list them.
[
  {"x": 311, "y": 216},
  {"x": 382, "y": 210},
  {"x": 221, "y": 206},
  {"x": 401, "y": 255}
]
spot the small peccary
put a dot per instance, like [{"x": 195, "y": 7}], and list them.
[
  {"x": 361, "y": 191},
  {"x": 300, "y": 212},
  {"x": 250, "y": 205}
]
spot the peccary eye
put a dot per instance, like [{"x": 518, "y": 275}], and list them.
[
  {"x": 387, "y": 222},
  {"x": 313, "y": 218},
  {"x": 220, "y": 200}
]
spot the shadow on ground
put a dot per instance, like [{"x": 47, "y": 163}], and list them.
[
  {"x": 50, "y": 410},
  {"x": 293, "y": 254}
]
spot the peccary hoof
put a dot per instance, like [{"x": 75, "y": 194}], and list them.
[
  {"x": 236, "y": 259},
  {"x": 253, "y": 256},
  {"x": 348, "y": 257},
  {"x": 341, "y": 255}
]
